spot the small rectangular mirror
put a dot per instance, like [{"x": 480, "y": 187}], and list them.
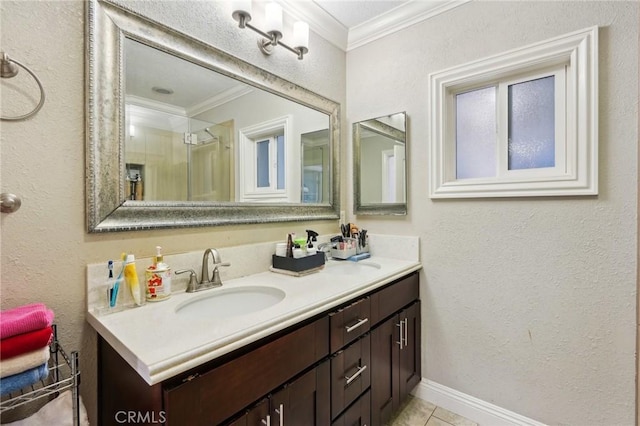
[{"x": 380, "y": 176}]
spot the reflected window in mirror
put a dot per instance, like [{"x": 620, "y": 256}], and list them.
[
  {"x": 380, "y": 165},
  {"x": 263, "y": 166}
]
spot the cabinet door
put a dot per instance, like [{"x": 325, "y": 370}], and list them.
[
  {"x": 410, "y": 370},
  {"x": 385, "y": 370},
  {"x": 305, "y": 401}
]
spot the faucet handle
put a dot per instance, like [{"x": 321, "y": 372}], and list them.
[
  {"x": 193, "y": 279},
  {"x": 216, "y": 273}
]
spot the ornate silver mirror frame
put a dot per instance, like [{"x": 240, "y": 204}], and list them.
[
  {"x": 378, "y": 126},
  {"x": 107, "y": 209}
]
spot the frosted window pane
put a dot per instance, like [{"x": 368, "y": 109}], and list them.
[
  {"x": 532, "y": 124},
  {"x": 476, "y": 134},
  {"x": 262, "y": 166},
  {"x": 280, "y": 161}
]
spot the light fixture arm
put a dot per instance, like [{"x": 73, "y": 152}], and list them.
[{"x": 271, "y": 38}]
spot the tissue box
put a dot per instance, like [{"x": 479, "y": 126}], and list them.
[{"x": 300, "y": 264}]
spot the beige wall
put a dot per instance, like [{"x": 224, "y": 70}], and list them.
[
  {"x": 45, "y": 246},
  {"x": 528, "y": 304}
]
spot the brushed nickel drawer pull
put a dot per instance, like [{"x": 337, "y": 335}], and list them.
[
  {"x": 356, "y": 325},
  {"x": 401, "y": 342},
  {"x": 266, "y": 422},
  {"x": 355, "y": 375},
  {"x": 280, "y": 411},
  {"x": 406, "y": 334}
]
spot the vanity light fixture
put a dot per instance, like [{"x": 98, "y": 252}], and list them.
[{"x": 273, "y": 35}]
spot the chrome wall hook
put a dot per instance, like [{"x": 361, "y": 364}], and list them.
[
  {"x": 10, "y": 202},
  {"x": 8, "y": 69}
]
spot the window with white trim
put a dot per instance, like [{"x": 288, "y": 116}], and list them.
[{"x": 523, "y": 123}]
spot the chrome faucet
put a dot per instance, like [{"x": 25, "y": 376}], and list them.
[
  {"x": 214, "y": 280},
  {"x": 206, "y": 281}
]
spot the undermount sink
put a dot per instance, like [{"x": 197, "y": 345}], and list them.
[
  {"x": 230, "y": 302},
  {"x": 348, "y": 267}
]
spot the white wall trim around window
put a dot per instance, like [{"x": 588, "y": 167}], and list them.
[{"x": 577, "y": 170}]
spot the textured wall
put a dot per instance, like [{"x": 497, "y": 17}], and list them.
[
  {"x": 44, "y": 246},
  {"x": 529, "y": 304}
]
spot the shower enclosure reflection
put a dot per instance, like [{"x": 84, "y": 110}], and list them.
[{"x": 178, "y": 158}]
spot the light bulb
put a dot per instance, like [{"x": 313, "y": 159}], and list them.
[
  {"x": 273, "y": 18},
  {"x": 301, "y": 35}
]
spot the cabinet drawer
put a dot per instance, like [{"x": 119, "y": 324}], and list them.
[
  {"x": 349, "y": 323},
  {"x": 350, "y": 374},
  {"x": 216, "y": 395},
  {"x": 394, "y": 297},
  {"x": 359, "y": 414}
]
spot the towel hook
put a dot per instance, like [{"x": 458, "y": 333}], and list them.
[{"x": 9, "y": 69}]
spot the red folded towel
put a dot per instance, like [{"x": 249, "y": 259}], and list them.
[
  {"x": 24, "y": 319},
  {"x": 25, "y": 342}
]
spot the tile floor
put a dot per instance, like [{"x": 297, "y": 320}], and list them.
[{"x": 416, "y": 412}]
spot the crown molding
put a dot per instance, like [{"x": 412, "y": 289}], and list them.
[
  {"x": 320, "y": 22},
  {"x": 403, "y": 16}
]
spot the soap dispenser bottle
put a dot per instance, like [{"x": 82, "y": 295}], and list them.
[{"x": 158, "y": 279}]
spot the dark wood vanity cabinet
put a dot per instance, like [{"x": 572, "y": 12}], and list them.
[{"x": 350, "y": 366}]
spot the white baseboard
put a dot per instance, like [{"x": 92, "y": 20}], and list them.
[{"x": 481, "y": 412}]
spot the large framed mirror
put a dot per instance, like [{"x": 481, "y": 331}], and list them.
[
  {"x": 182, "y": 134},
  {"x": 380, "y": 175}
]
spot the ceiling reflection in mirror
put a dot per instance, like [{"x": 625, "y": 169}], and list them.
[
  {"x": 182, "y": 134},
  {"x": 380, "y": 165},
  {"x": 197, "y": 135}
]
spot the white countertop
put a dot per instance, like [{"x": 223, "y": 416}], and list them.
[{"x": 159, "y": 344}]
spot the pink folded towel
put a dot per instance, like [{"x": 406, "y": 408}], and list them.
[{"x": 24, "y": 319}]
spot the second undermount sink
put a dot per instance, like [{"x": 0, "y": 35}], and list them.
[
  {"x": 230, "y": 302},
  {"x": 348, "y": 267}
]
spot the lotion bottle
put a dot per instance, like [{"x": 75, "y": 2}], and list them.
[
  {"x": 158, "y": 279},
  {"x": 131, "y": 277}
]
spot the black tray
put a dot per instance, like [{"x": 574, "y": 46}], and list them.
[{"x": 300, "y": 264}]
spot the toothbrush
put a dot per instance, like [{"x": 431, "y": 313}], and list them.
[{"x": 114, "y": 292}]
